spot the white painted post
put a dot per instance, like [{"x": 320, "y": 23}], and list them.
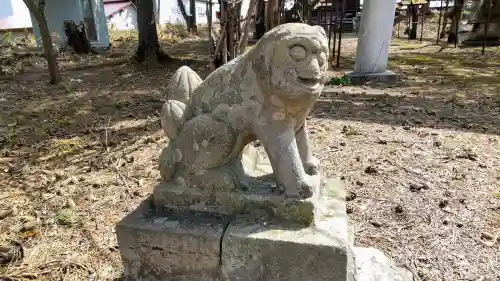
[{"x": 374, "y": 38}]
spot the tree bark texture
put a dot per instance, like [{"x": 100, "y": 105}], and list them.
[
  {"x": 193, "y": 27},
  {"x": 414, "y": 21},
  {"x": 184, "y": 13},
  {"x": 244, "y": 37},
  {"x": 231, "y": 39},
  {"x": 234, "y": 12},
  {"x": 445, "y": 20},
  {"x": 260, "y": 19},
  {"x": 456, "y": 17},
  {"x": 225, "y": 27},
  {"x": 38, "y": 11},
  {"x": 272, "y": 14},
  {"x": 148, "y": 47}
]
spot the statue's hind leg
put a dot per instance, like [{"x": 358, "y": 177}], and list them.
[{"x": 205, "y": 146}]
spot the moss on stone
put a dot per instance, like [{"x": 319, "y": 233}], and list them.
[{"x": 262, "y": 206}]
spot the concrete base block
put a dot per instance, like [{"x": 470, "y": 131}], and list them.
[
  {"x": 170, "y": 246},
  {"x": 236, "y": 203},
  {"x": 189, "y": 245},
  {"x": 382, "y": 77},
  {"x": 263, "y": 251},
  {"x": 373, "y": 265},
  {"x": 252, "y": 252}
]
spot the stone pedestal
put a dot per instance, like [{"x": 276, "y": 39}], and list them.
[
  {"x": 157, "y": 246},
  {"x": 277, "y": 251},
  {"x": 178, "y": 235},
  {"x": 261, "y": 202},
  {"x": 184, "y": 234},
  {"x": 373, "y": 42}
]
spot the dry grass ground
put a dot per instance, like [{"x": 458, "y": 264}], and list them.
[{"x": 421, "y": 160}]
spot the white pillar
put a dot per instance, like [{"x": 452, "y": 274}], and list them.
[{"x": 374, "y": 38}]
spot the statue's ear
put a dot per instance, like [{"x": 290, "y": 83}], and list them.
[
  {"x": 263, "y": 58},
  {"x": 268, "y": 54},
  {"x": 259, "y": 64},
  {"x": 321, "y": 30}
]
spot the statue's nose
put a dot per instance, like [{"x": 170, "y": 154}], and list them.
[
  {"x": 315, "y": 69},
  {"x": 312, "y": 70}
]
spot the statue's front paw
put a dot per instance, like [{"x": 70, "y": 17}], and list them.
[
  {"x": 311, "y": 166},
  {"x": 305, "y": 188},
  {"x": 302, "y": 191}
]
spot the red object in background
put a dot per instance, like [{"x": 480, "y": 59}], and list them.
[{"x": 217, "y": 15}]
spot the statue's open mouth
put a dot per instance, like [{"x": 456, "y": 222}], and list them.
[{"x": 309, "y": 82}]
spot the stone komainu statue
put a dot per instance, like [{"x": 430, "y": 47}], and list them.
[{"x": 265, "y": 94}]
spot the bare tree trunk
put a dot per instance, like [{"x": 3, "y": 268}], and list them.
[
  {"x": 234, "y": 12},
  {"x": 244, "y": 38},
  {"x": 414, "y": 21},
  {"x": 230, "y": 31},
  {"x": 272, "y": 14},
  {"x": 210, "y": 25},
  {"x": 445, "y": 20},
  {"x": 38, "y": 11},
  {"x": 224, "y": 26},
  {"x": 426, "y": 9},
  {"x": 149, "y": 47},
  {"x": 456, "y": 17},
  {"x": 228, "y": 43},
  {"x": 184, "y": 13},
  {"x": 260, "y": 19},
  {"x": 193, "y": 27}
]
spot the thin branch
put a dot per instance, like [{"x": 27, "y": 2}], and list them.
[
  {"x": 219, "y": 42},
  {"x": 244, "y": 39},
  {"x": 122, "y": 177},
  {"x": 183, "y": 10}
]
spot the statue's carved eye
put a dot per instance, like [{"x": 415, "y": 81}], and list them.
[{"x": 298, "y": 52}]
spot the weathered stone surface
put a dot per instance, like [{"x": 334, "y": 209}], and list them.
[
  {"x": 170, "y": 246},
  {"x": 373, "y": 265},
  {"x": 262, "y": 205},
  {"x": 269, "y": 253},
  {"x": 193, "y": 246},
  {"x": 264, "y": 94},
  {"x": 366, "y": 78},
  {"x": 257, "y": 195},
  {"x": 256, "y": 250}
]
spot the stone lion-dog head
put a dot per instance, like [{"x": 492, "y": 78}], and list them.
[{"x": 291, "y": 61}]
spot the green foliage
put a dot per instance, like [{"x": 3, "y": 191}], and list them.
[
  {"x": 340, "y": 81},
  {"x": 7, "y": 37}
]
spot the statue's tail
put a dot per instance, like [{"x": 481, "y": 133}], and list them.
[
  {"x": 174, "y": 114},
  {"x": 179, "y": 91}
]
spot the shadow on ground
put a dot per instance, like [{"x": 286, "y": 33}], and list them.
[
  {"x": 409, "y": 111},
  {"x": 102, "y": 107},
  {"x": 108, "y": 108},
  {"x": 452, "y": 89}
]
